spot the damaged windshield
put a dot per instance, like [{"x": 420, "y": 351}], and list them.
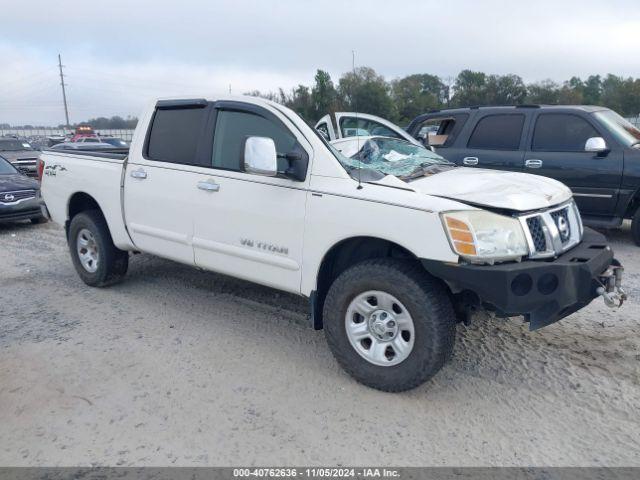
[{"x": 390, "y": 156}]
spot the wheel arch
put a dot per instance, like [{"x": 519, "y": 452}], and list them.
[
  {"x": 80, "y": 202},
  {"x": 633, "y": 205},
  {"x": 344, "y": 254}
]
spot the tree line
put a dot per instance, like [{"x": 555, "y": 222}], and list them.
[{"x": 402, "y": 99}]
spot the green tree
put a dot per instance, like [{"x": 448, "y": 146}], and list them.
[
  {"x": 416, "y": 94},
  {"x": 592, "y": 90},
  {"x": 504, "y": 90},
  {"x": 300, "y": 101},
  {"x": 324, "y": 96},
  {"x": 544, "y": 92},
  {"x": 366, "y": 91},
  {"x": 470, "y": 89}
]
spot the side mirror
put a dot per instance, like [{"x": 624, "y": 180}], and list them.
[
  {"x": 596, "y": 145},
  {"x": 260, "y": 156}
]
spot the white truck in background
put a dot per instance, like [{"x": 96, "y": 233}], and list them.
[{"x": 392, "y": 245}]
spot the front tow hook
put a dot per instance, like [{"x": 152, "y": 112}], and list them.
[{"x": 611, "y": 286}]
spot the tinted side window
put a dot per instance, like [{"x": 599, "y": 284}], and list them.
[
  {"x": 232, "y": 128},
  {"x": 557, "y": 132},
  {"x": 497, "y": 132},
  {"x": 175, "y": 134}
]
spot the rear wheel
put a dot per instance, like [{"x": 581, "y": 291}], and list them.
[
  {"x": 635, "y": 227},
  {"x": 96, "y": 259},
  {"x": 389, "y": 324}
]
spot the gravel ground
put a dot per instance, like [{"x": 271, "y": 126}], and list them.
[{"x": 181, "y": 367}]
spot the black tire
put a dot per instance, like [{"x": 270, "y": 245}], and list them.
[
  {"x": 112, "y": 262},
  {"x": 635, "y": 227},
  {"x": 429, "y": 305},
  {"x": 39, "y": 220}
]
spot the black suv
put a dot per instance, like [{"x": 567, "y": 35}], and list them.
[{"x": 593, "y": 150}]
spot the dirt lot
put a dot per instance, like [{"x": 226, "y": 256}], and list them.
[{"x": 181, "y": 367}]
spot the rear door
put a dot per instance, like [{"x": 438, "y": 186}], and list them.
[
  {"x": 160, "y": 186},
  {"x": 495, "y": 142},
  {"x": 556, "y": 149}
]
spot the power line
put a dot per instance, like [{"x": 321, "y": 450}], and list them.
[{"x": 64, "y": 94}]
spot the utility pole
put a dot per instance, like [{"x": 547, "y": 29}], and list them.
[{"x": 64, "y": 93}]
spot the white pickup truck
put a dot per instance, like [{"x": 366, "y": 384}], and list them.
[{"x": 391, "y": 244}]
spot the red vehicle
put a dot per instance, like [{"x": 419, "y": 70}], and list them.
[{"x": 83, "y": 131}]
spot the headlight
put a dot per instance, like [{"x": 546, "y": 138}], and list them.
[{"x": 484, "y": 237}]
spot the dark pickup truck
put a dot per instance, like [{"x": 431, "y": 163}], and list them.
[
  {"x": 593, "y": 150},
  {"x": 20, "y": 153}
]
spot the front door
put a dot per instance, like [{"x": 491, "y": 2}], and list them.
[
  {"x": 557, "y": 150},
  {"x": 247, "y": 225}
]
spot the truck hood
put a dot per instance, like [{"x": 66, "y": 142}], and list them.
[{"x": 494, "y": 188}]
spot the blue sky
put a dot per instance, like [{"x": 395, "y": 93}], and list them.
[{"x": 119, "y": 54}]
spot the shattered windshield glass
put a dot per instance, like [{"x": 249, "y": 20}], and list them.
[{"x": 391, "y": 156}]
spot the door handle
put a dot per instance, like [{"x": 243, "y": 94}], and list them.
[
  {"x": 533, "y": 163},
  {"x": 208, "y": 186},
  {"x": 140, "y": 173},
  {"x": 470, "y": 160}
]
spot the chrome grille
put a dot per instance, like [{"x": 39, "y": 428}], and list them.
[
  {"x": 13, "y": 197},
  {"x": 561, "y": 219},
  {"x": 537, "y": 234},
  {"x": 552, "y": 232}
]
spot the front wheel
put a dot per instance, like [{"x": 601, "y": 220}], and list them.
[
  {"x": 389, "y": 324},
  {"x": 96, "y": 259},
  {"x": 635, "y": 227}
]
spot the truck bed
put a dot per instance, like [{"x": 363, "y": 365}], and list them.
[{"x": 71, "y": 176}]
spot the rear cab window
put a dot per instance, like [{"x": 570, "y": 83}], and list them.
[{"x": 498, "y": 132}]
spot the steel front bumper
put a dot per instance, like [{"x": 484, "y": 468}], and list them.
[
  {"x": 543, "y": 291},
  {"x": 22, "y": 210}
]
